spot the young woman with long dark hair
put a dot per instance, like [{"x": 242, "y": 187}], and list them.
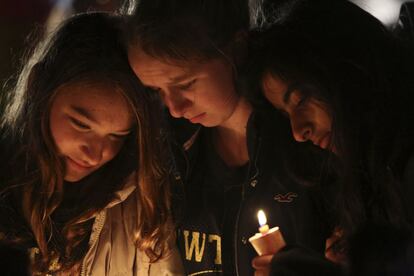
[
  {"x": 345, "y": 83},
  {"x": 84, "y": 184}
]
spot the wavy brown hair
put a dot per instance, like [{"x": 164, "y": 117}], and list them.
[{"x": 85, "y": 49}]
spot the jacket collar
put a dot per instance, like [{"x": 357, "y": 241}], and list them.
[{"x": 126, "y": 191}]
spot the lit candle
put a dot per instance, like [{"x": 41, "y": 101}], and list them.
[
  {"x": 267, "y": 241},
  {"x": 262, "y": 221}
]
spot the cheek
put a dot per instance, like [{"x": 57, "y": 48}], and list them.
[
  {"x": 299, "y": 118},
  {"x": 313, "y": 114},
  {"x": 62, "y": 135},
  {"x": 275, "y": 100},
  {"x": 222, "y": 86},
  {"x": 221, "y": 96},
  {"x": 323, "y": 118},
  {"x": 304, "y": 114},
  {"x": 112, "y": 150}
]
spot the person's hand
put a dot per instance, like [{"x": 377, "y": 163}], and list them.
[
  {"x": 330, "y": 253},
  {"x": 261, "y": 264}
]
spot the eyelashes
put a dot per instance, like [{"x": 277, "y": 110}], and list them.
[
  {"x": 78, "y": 124},
  {"x": 302, "y": 100},
  {"x": 187, "y": 86},
  {"x": 83, "y": 127},
  {"x": 182, "y": 87}
]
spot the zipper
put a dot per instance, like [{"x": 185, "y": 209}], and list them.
[
  {"x": 96, "y": 231},
  {"x": 235, "y": 241},
  {"x": 182, "y": 151},
  {"x": 187, "y": 165},
  {"x": 248, "y": 180},
  {"x": 187, "y": 161}
]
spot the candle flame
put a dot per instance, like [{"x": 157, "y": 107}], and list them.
[{"x": 262, "y": 217}]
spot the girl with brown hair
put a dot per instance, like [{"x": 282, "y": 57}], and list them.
[
  {"x": 83, "y": 181},
  {"x": 235, "y": 161}
]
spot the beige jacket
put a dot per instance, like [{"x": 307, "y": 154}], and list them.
[{"x": 112, "y": 251}]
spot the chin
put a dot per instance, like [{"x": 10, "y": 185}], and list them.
[
  {"x": 211, "y": 124},
  {"x": 74, "y": 178},
  {"x": 208, "y": 125}
]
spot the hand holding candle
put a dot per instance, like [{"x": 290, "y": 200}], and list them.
[{"x": 267, "y": 241}]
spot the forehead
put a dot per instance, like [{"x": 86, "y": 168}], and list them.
[
  {"x": 86, "y": 92},
  {"x": 152, "y": 71},
  {"x": 274, "y": 89},
  {"x": 105, "y": 101}
]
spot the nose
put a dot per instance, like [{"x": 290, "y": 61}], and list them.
[
  {"x": 177, "y": 104},
  {"x": 302, "y": 130},
  {"x": 92, "y": 150}
]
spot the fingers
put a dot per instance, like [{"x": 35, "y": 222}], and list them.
[
  {"x": 330, "y": 253},
  {"x": 262, "y": 262},
  {"x": 264, "y": 272}
]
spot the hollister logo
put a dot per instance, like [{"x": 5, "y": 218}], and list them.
[{"x": 285, "y": 198}]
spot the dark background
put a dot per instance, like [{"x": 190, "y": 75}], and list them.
[{"x": 18, "y": 18}]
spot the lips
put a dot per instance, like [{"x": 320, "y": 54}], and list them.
[
  {"x": 324, "y": 141},
  {"x": 78, "y": 165},
  {"x": 197, "y": 119}
]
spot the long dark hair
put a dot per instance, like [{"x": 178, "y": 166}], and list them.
[
  {"x": 89, "y": 49},
  {"x": 339, "y": 54}
]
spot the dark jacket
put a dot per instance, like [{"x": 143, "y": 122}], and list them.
[
  {"x": 272, "y": 183},
  {"x": 374, "y": 248}
]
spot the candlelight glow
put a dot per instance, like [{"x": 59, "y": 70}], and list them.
[{"x": 262, "y": 217}]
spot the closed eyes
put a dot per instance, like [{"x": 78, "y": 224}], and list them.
[
  {"x": 81, "y": 126},
  {"x": 293, "y": 91},
  {"x": 118, "y": 137},
  {"x": 78, "y": 124},
  {"x": 187, "y": 85}
]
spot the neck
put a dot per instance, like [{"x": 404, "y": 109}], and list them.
[{"x": 231, "y": 138}]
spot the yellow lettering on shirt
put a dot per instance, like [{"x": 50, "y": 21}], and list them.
[
  {"x": 217, "y": 238},
  {"x": 194, "y": 246}
]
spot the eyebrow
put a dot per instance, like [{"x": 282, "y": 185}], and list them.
[
  {"x": 180, "y": 78},
  {"x": 85, "y": 113}
]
